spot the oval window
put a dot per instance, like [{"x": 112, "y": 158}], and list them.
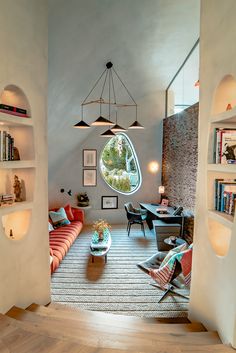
[{"x": 119, "y": 165}]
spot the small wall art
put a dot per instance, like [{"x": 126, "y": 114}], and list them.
[
  {"x": 109, "y": 202},
  {"x": 89, "y": 177},
  {"x": 89, "y": 158}
]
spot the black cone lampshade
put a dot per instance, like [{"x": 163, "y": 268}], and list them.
[
  {"x": 81, "y": 125},
  {"x": 136, "y": 125},
  {"x": 108, "y": 133},
  {"x": 117, "y": 128},
  {"x": 101, "y": 121}
]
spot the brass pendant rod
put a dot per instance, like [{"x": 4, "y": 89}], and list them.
[
  {"x": 94, "y": 87},
  {"x": 111, "y": 103}
]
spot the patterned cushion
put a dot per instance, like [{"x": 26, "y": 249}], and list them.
[
  {"x": 69, "y": 213},
  {"x": 59, "y": 218},
  {"x": 172, "y": 252},
  {"x": 50, "y": 227}
]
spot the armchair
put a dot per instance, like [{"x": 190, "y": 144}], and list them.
[
  {"x": 135, "y": 215},
  {"x": 165, "y": 267}
]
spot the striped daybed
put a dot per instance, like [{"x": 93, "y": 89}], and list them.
[{"x": 61, "y": 239}]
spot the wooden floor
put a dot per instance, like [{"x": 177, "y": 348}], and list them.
[{"x": 60, "y": 329}]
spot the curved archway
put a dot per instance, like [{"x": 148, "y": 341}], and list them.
[{"x": 225, "y": 94}]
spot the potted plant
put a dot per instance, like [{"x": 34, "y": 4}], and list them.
[{"x": 100, "y": 226}]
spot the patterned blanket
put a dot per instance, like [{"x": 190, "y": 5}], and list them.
[{"x": 164, "y": 273}]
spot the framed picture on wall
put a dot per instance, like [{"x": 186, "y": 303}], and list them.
[
  {"x": 109, "y": 202},
  {"x": 89, "y": 177},
  {"x": 89, "y": 158}
]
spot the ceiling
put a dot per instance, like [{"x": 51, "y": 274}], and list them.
[{"x": 147, "y": 41}]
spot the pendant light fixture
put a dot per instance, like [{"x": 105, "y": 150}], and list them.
[
  {"x": 116, "y": 127},
  {"x": 106, "y": 80},
  {"x": 81, "y": 124}
]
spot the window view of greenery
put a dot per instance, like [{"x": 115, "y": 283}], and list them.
[{"x": 119, "y": 165}]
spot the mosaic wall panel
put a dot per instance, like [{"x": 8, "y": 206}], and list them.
[{"x": 180, "y": 156}]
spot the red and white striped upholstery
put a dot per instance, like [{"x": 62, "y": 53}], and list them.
[{"x": 61, "y": 239}]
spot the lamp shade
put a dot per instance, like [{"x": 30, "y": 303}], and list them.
[
  {"x": 161, "y": 189},
  {"x": 117, "y": 128},
  {"x": 101, "y": 121},
  {"x": 81, "y": 125},
  {"x": 108, "y": 133},
  {"x": 136, "y": 125}
]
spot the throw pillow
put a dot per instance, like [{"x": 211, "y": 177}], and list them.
[
  {"x": 50, "y": 227},
  {"x": 59, "y": 218},
  {"x": 69, "y": 213},
  {"x": 172, "y": 252}
]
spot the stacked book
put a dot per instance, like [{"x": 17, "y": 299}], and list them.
[
  {"x": 224, "y": 146},
  {"x": 225, "y": 195},
  {"x": 6, "y": 146},
  {"x": 6, "y": 199},
  {"x": 9, "y": 109}
]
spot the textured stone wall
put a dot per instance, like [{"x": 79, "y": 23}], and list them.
[{"x": 179, "y": 159}]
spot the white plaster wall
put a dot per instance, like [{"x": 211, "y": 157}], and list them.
[
  {"x": 148, "y": 147},
  {"x": 213, "y": 290},
  {"x": 147, "y": 41},
  {"x": 24, "y": 264}
]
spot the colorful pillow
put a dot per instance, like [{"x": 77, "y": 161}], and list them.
[
  {"x": 69, "y": 213},
  {"x": 59, "y": 218},
  {"x": 172, "y": 252},
  {"x": 50, "y": 227}
]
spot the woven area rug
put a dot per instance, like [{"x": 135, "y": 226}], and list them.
[{"x": 118, "y": 286}]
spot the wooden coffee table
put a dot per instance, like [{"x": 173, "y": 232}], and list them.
[{"x": 100, "y": 247}]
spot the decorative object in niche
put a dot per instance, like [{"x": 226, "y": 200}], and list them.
[
  {"x": 83, "y": 200},
  {"x": 229, "y": 107},
  {"x": 16, "y": 154},
  {"x": 109, "y": 202},
  {"x": 89, "y": 158},
  {"x": 89, "y": 177},
  {"x": 17, "y": 189},
  {"x": 6, "y": 199}
]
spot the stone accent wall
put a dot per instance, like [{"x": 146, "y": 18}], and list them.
[{"x": 179, "y": 162}]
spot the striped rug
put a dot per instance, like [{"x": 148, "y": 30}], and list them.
[{"x": 118, "y": 286}]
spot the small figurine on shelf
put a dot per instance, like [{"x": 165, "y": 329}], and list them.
[
  {"x": 17, "y": 189},
  {"x": 11, "y": 234},
  {"x": 16, "y": 154},
  {"x": 83, "y": 200}
]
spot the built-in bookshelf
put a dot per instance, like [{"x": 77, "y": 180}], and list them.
[
  {"x": 220, "y": 223},
  {"x": 16, "y": 216}
]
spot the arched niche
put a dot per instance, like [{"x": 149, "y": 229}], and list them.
[
  {"x": 219, "y": 237},
  {"x": 14, "y": 96},
  {"x": 16, "y": 224},
  {"x": 225, "y": 94}
]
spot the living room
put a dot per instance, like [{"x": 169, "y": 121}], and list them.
[{"x": 147, "y": 44}]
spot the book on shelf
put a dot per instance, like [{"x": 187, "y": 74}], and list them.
[
  {"x": 7, "y": 199},
  {"x": 21, "y": 115},
  {"x": 6, "y": 146},
  {"x": 225, "y": 195},
  {"x": 10, "y": 108},
  {"x": 224, "y": 149}
]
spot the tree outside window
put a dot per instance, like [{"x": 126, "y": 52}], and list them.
[{"x": 119, "y": 165}]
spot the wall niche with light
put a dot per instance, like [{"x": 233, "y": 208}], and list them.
[
  {"x": 221, "y": 183},
  {"x": 17, "y": 162}
]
